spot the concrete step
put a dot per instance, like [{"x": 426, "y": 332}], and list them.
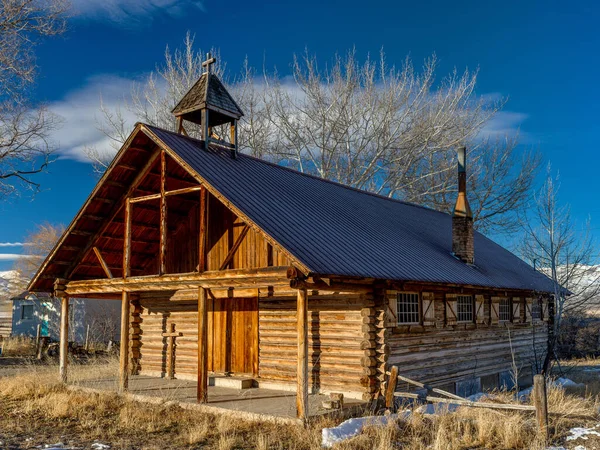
[{"x": 231, "y": 382}]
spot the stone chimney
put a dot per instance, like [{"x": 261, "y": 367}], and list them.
[{"x": 462, "y": 217}]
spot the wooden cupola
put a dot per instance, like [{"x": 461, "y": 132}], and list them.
[{"x": 209, "y": 104}]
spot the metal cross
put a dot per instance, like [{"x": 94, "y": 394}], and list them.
[{"x": 209, "y": 62}]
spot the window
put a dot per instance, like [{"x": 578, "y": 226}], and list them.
[
  {"x": 408, "y": 308},
  {"x": 464, "y": 308},
  {"x": 26, "y": 312},
  {"x": 504, "y": 309},
  {"x": 536, "y": 310}
]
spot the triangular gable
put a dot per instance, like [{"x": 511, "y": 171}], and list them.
[{"x": 100, "y": 220}]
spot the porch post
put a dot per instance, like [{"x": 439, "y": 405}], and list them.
[
  {"x": 64, "y": 337},
  {"x": 302, "y": 373},
  {"x": 202, "y": 392},
  {"x": 124, "y": 350}
]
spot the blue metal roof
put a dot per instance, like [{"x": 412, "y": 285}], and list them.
[{"x": 337, "y": 230}]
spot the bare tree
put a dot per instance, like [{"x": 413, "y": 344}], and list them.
[
  {"x": 565, "y": 252},
  {"x": 37, "y": 245},
  {"x": 24, "y": 131},
  {"x": 388, "y": 130}
]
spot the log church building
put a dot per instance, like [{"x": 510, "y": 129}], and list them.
[{"x": 229, "y": 265}]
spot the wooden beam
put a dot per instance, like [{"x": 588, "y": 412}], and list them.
[
  {"x": 234, "y": 248},
  {"x": 103, "y": 263},
  {"x": 181, "y": 191},
  {"x": 64, "y": 338},
  {"x": 145, "y": 198},
  {"x": 162, "y": 254},
  {"x": 319, "y": 285},
  {"x": 202, "y": 237},
  {"x": 127, "y": 241},
  {"x": 126, "y": 167},
  {"x": 302, "y": 371},
  {"x": 202, "y": 391},
  {"x": 124, "y": 349},
  {"x": 115, "y": 210},
  {"x": 248, "y": 278}
]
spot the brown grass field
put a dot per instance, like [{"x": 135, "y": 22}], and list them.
[{"x": 36, "y": 410}]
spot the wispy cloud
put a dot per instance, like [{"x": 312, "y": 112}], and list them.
[
  {"x": 80, "y": 110},
  {"x": 505, "y": 123},
  {"x": 15, "y": 256},
  {"x": 11, "y": 244},
  {"x": 133, "y": 13}
]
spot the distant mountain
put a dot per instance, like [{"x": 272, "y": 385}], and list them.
[{"x": 9, "y": 282}]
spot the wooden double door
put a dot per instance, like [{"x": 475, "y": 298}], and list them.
[{"x": 233, "y": 335}]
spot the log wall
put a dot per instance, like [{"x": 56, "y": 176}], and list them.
[
  {"x": 342, "y": 342},
  {"x": 442, "y": 354},
  {"x": 338, "y": 359}
]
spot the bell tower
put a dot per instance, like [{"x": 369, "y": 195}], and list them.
[{"x": 209, "y": 104}]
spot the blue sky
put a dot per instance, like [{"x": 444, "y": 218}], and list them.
[{"x": 543, "y": 56}]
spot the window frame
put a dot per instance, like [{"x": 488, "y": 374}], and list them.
[
  {"x": 508, "y": 305},
  {"x": 419, "y": 309},
  {"x": 30, "y": 315},
  {"x": 472, "y": 310}
]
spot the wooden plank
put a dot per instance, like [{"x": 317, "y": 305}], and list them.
[
  {"x": 124, "y": 349},
  {"x": 202, "y": 391},
  {"x": 203, "y": 229},
  {"x": 162, "y": 264},
  {"x": 64, "y": 338},
  {"x": 424, "y": 386},
  {"x": 103, "y": 263},
  {"x": 302, "y": 381},
  {"x": 234, "y": 248},
  {"x": 463, "y": 402}
]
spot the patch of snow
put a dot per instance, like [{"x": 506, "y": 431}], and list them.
[
  {"x": 352, "y": 427},
  {"x": 100, "y": 446},
  {"x": 565, "y": 382},
  {"x": 582, "y": 433}
]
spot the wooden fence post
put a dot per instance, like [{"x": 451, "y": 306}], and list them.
[
  {"x": 87, "y": 338},
  {"x": 391, "y": 387},
  {"x": 540, "y": 401},
  {"x": 38, "y": 334}
]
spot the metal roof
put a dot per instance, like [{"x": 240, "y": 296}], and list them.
[{"x": 337, "y": 230}]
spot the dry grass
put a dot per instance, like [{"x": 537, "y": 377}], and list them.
[
  {"x": 35, "y": 405},
  {"x": 18, "y": 346}
]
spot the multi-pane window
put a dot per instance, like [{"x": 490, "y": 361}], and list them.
[
  {"x": 536, "y": 310},
  {"x": 504, "y": 310},
  {"x": 408, "y": 308},
  {"x": 26, "y": 312},
  {"x": 464, "y": 308}
]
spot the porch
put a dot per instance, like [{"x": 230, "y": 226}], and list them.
[{"x": 254, "y": 402}]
